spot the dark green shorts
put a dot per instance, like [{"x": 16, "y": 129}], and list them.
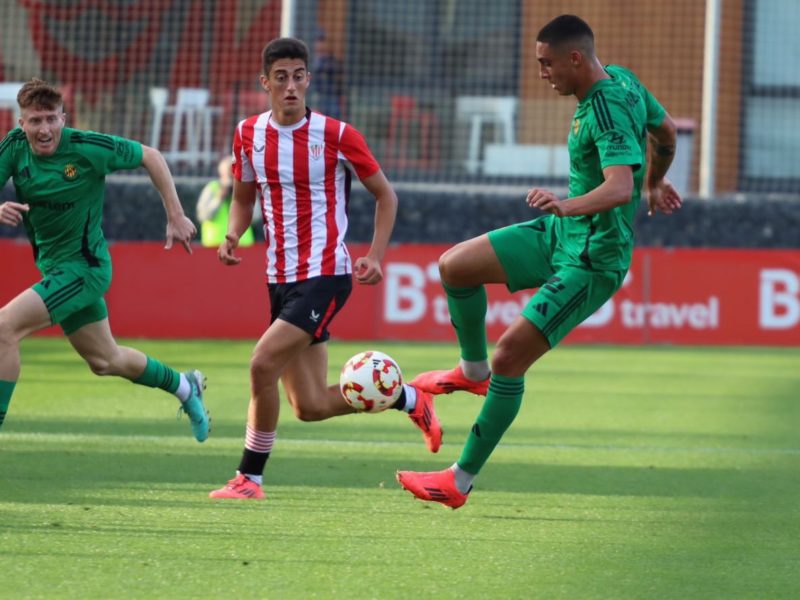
[
  {"x": 567, "y": 294},
  {"x": 73, "y": 293}
]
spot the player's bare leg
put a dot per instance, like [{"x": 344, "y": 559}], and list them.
[
  {"x": 305, "y": 380},
  {"x": 464, "y": 270},
  {"x": 97, "y": 346},
  {"x": 19, "y": 318},
  {"x": 278, "y": 347}
]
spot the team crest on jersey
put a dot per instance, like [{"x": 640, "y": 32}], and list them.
[
  {"x": 70, "y": 172},
  {"x": 316, "y": 150},
  {"x": 576, "y": 126}
]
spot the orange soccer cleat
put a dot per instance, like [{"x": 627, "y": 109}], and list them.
[
  {"x": 435, "y": 486},
  {"x": 445, "y": 382},
  {"x": 424, "y": 417},
  {"x": 239, "y": 488}
]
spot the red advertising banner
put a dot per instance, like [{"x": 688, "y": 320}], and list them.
[{"x": 680, "y": 296}]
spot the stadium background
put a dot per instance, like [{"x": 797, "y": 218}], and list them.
[{"x": 448, "y": 95}]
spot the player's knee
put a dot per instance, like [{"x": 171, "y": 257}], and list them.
[
  {"x": 509, "y": 362},
  {"x": 6, "y": 331},
  {"x": 99, "y": 365},
  {"x": 263, "y": 372},
  {"x": 309, "y": 414},
  {"x": 447, "y": 268}
]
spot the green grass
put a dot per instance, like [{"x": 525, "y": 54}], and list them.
[{"x": 629, "y": 473}]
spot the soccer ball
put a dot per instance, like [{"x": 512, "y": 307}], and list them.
[{"x": 371, "y": 381}]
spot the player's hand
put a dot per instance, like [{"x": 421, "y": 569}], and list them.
[
  {"x": 11, "y": 213},
  {"x": 182, "y": 230},
  {"x": 547, "y": 201},
  {"x": 662, "y": 197},
  {"x": 367, "y": 270},
  {"x": 226, "y": 249}
]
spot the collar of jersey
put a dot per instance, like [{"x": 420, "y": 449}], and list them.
[
  {"x": 600, "y": 83},
  {"x": 292, "y": 127}
]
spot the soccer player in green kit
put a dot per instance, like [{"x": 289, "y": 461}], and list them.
[
  {"x": 577, "y": 255},
  {"x": 59, "y": 179}
]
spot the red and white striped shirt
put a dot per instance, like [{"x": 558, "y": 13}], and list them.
[{"x": 303, "y": 172}]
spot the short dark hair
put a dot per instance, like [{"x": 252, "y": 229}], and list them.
[
  {"x": 40, "y": 95},
  {"x": 285, "y": 47},
  {"x": 568, "y": 29}
]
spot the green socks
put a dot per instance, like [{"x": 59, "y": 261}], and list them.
[
  {"x": 468, "y": 314},
  {"x": 157, "y": 374},
  {"x": 6, "y": 389},
  {"x": 499, "y": 410}
]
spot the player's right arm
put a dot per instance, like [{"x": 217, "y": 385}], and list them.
[
  {"x": 241, "y": 214},
  {"x": 10, "y": 212},
  {"x": 245, "y": 188}
]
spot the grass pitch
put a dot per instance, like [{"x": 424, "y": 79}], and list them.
[{"x": 629, "y": 473}]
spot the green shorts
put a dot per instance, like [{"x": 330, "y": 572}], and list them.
[
  {"x": 567, "y": 294},
  {"x": 73, "y": 294}
]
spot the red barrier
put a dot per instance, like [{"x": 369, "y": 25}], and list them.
[{"x": 682, "y": 296}]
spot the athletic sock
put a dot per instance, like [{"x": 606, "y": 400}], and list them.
[
  {"x": 6, "y": 389},
  {"x": 468, "y": 315},
  {"x": 184, "y": 388},
  {"x": 463, "y": 479},
  {"x": 407, "y": 401},
  {"x": 157, "y": 374},
  {"x": 475, "y": 370},
  {"x": 257, "y": 446},
  {"x": 499, "y": 410}
]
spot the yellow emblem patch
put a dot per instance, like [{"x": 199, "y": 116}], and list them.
[
  {"x": 70, "y": 172},
  {"x": 576, "y": 126}
]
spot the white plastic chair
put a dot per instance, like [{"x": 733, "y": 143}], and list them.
[
  {"x": 158, "y": 102},
  {"x": 497, "y": 111},
  {"x": 192, "y": 124}
]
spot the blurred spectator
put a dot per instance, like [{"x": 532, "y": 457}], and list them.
[
  {"x": 327, "y": 82},
  {"x": 213, "y": 207}
]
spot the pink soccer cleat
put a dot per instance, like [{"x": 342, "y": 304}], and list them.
[
  {"x": 435, "y": 486},
  {"x": 239, "y": 488},
  {"x": 424, "y": 417},
  {"x": 445, "y": 382}
]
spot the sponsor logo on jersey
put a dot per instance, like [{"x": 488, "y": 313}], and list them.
[
  {"x": 316, "y": 150},
  {"x": 70, "y": 172},
  {"x": 616, "y": 145},
  {"x": 50, "y": 205}
]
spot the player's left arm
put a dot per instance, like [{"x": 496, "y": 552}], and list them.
[
  {"x": 661, "y": 194},
  {"x": 179, "y": 227},
  {"x": 367, "y": 269},
  {"x": 615, "y": 190},
  {"x": 353, "y": 148}
]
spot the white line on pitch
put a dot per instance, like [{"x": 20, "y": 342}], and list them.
[{"x": 106, "y": 438}]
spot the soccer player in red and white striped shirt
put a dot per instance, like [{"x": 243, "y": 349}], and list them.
[{"x": 301, "y": 163}]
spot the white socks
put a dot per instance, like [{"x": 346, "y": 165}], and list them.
[
  {"x": 476, "y": 370},
  {"x": 184, "y": 389},
  {"x": 463, "y": 479},
  {"x": 411, "y": 398}
]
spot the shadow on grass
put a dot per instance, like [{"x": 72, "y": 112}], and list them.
[{"x": 92, "y": 473}]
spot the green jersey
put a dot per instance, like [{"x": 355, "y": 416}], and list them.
[
  {"x": 609, "y": 128},
  {"x": 65, "y": 191}
]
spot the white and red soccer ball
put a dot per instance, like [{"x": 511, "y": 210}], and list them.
[{"x": 371, "y": 381}]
